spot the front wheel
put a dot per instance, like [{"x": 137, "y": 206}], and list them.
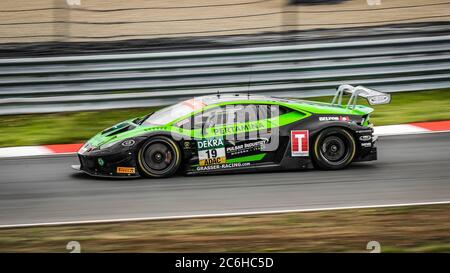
[
  {"x": 334, "y": 148},
  {"x": 159, "y": 157}
]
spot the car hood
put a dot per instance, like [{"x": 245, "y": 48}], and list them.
[
  {"x": 121, "y": 131},
  {"x": 111, "y": 133}
]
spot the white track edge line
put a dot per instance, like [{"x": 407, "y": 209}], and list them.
[{"x": 212, "y": 215}]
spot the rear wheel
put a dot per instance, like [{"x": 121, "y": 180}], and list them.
[
  {"x": 159, "y": 157},
  {"x": 334, "y": 148}
]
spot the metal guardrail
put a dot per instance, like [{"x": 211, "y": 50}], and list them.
[{"x": 54, "y": 84}]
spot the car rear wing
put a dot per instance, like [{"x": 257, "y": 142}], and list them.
[{"x": 373, "y": 97}]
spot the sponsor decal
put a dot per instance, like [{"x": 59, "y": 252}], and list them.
[
  {"x": 238, "y": 128},
  {"x": 211, "y": 151},
  {"x": 328, "y": 118},
  {"x": 334, "y": 118},
  {"x": 300, "y": 143},
  {"x": 223, "y": 166},
  {"x": 366, "y": 144},
  {"x": 365, "y": 138},
  {"x": 246, "y": 147},
  {"x": 126, "y": 170},
  {"x": 210, "y": 143}
]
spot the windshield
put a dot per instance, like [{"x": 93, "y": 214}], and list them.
[{"x": 171, "y": 113}]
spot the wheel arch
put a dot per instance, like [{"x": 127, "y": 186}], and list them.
[
  {"x": 346, "y": 128},
  {"x": 146, "y": 137},
  {"x": 143, "y": 138}
]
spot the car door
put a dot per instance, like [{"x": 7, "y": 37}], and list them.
[
  {"x": 236, "y": 135},
  {"x": 247, "y": 133}
]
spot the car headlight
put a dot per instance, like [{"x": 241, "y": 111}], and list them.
[{"x": 87, "y": 147}]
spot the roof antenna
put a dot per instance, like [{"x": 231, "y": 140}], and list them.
[
  {"x": 218, "y": 94},
  {"x": 249, "y": 81}
]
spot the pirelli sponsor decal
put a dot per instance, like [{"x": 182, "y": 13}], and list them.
[{"x": 126, "y": 170}]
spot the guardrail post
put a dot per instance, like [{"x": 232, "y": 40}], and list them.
[
  {"x": 289, "y": 20},
  {"x": 61, "y": 17}
]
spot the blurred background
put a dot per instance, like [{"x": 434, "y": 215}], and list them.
[
  {"x": 63, "y": 28},
  {"x": 75, "y": 56},
  {"x": 97, "y": 20}
]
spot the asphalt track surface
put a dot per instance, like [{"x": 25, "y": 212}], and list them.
[{"x": 410, "y": 169}]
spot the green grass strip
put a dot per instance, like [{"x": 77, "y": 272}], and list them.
[{"x": 56, "y": 128}]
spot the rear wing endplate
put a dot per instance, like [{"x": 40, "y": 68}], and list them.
[{"x": 373, "y": 97}]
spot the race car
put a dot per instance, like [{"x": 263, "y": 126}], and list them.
[{"x": 225, "y": 133}]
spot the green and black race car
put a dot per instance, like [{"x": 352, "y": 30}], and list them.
[{"x": 237, "y": 133}]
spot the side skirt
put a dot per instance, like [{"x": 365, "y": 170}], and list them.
[{"x": 267, "y": 167}]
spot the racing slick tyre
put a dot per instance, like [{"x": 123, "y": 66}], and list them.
[
  {"x": 159, "y": 157},
  {"x": 334, "y": 149}
]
